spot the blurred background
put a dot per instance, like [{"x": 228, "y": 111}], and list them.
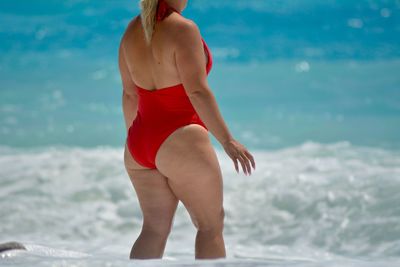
[
  {"x": 285, "y": 72},
  {"x": 311, "y": 87}
]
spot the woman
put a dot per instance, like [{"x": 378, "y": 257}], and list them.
[{"x": 168, "y": 109}]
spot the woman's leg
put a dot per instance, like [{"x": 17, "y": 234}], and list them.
[
  {"x": 189, "y": 161},
  {"x": 158, "y": 204}
]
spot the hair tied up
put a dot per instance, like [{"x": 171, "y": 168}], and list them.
[{"x": 148, "y": 15}]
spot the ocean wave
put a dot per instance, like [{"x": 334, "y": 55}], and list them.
[{"x": 325, "y": 201}]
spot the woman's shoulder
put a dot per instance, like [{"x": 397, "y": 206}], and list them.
[
  {"x": 130, "y": 26},
  {"x": 183, "y": 28},
  {"x": 132, "y": 23},
  {"x": 184, "y": 24}
]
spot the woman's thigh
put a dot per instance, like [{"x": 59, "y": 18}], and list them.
[
  {"x": 189, "y": 161},
  {"x": 157, "y": 201}
]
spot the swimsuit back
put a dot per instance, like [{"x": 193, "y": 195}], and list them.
[{"x": 161, "y": 111}]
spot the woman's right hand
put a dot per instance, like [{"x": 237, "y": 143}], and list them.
[{"x": 238, "y": 152}]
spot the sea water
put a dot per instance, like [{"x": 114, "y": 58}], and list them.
[{"x": 310, "y": 87}]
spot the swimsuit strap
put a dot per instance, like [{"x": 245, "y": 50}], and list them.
[{"x": 163, "y": 10}]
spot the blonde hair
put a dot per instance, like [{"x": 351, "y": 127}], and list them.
[{"x": 148, "y": 15}]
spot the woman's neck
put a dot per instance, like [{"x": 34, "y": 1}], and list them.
[{"x": 174, "y": 4}]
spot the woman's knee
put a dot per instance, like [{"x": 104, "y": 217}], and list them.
[
  {"x": 160, "y": 229},
  {"x": 160, "y": 220},
  {"x": 212, "y": 225}
]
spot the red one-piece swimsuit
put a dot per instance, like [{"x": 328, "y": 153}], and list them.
[{"x": 160, "y": 112}]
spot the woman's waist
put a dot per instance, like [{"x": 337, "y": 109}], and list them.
[
  {"x": 164, "y": 120},
  {"x": 165, "y": 105},
  {"x": 160, "y": 114}
]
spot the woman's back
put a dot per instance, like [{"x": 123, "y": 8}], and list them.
[{"x": 154, "y": 66}]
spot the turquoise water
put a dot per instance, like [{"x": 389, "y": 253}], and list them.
[
  {"x": 312, "y": 87},
  {"x": 284, "y": 73}
]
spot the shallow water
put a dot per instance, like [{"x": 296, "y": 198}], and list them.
[{"x": 335, "y": 203}]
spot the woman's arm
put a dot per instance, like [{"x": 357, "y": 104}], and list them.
[
  {"x": 129, "y": 95},
  {"x": 191, "y": 64}
]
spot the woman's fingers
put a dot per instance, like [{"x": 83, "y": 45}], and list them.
[
  {"x": 234, "y": 159},
  {"x": 250, "y": 156},
  {"x": 237, "y": 152},
  {"x": 245, "y": 164},
  {"x": 236, "y": 164}
]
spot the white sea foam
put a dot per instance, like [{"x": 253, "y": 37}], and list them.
[
  {"x": 303, "y": 204},
  {"x": 355, "y": 23},
  {"x": 302, "y": 66}
]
